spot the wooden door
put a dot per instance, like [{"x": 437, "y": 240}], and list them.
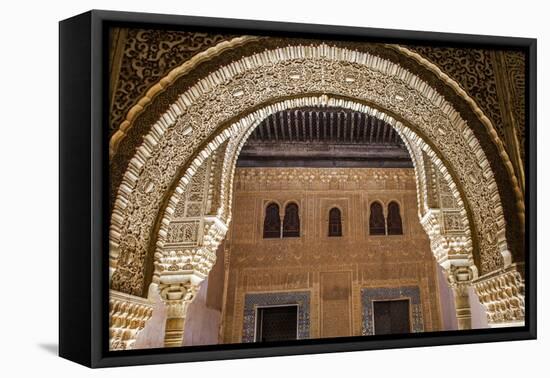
[{"x": 391, "y": 317}]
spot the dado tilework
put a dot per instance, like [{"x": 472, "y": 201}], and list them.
[
  {"x": 253, "y": 301},
  {"x": 412, "y": 293}
]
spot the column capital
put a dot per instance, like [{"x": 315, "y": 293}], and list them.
[{"x": 460, "y": 277}]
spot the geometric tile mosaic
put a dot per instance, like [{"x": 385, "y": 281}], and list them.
[
  {"x": 369, "y": 295},
  {"x": 253, "y": 301}
]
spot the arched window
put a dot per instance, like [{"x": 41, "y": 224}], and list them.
[
  {"x": 377, "y": 224},
  {"x": 272, "y": 221},
  {"x": 334, "y": 222},
  {"x": 395, "y": 226},
  {"x": 291, "y": 221}
]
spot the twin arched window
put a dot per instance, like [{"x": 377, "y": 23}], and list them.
[
  {"x": 380, "y": 226},
  {"x": 335, "y": 222},
  {"x": 272, "y": 221}
]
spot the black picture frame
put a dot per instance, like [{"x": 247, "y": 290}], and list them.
[{"x": 84, "y": 175}]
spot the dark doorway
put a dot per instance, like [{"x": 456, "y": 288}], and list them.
[
  {"x": 391, "y": 317},
  {"x": 277, "y": 323}
]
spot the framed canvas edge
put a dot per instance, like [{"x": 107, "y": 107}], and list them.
[{"x": 95, "y": 328}]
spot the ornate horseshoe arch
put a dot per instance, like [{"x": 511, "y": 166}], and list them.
[{"x": 440, "y": 142}]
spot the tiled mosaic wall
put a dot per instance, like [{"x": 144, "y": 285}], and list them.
[
  {"x": 253, "y": 301},
  {"x": 369, "y": 295}
]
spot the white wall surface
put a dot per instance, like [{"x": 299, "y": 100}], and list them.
[{"x": 29, "y": 167}]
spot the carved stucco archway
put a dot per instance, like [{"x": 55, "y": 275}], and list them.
[{"x": 176, "y": 145}]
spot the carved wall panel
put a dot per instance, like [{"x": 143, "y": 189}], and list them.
[
  {"x": 146, "y": 57},
  {"x": 276, "y": 279},
  {"x": 192, "y": 123},
  {"x": 515, "y": 68},
  {"x": 510, "y": 75},
  {"x": 424, "y": 70},
  {"x": 332, "y": 271},
  {"x": 193, "y": 202},
  {"x": 183, "y": 233},
  {"x": 473, "y": 70},
  {"x": 201, "y": 112},
  {"x": 336, "y": 309},
  {"x": 503, "y": 296},
  {"x": 484, "y": 250},
  {"x": 128, "y": 315}
]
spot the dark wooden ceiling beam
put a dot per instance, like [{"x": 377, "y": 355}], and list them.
[
  {"x": 310, "y": 125},
  {"x": 330, "y": 125},
  {"x": 317, "y": 126},
  {"x": 352, "y": 124},
  {"x": 371, "y": 128},
  {"x": 325, "y": 126},
  {"x": 324, "y": 137},
  {"x": 332, "y": 150},
  {"x": 261, "y": 130},
  {"x": 282, "y": 125},
  {"x": 268, "y": 128},
  {"x": 289, "y": 126},
  {"x": 364, "y": 123},
  {"x": 338, "y": 126},
  {"x": 275, "y": 127},
  {"x": 303, "y": 121},
  {"x": 325, "y": 133}
]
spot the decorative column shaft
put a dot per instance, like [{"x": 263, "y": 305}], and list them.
[
  {"x": 177, "y": 299},
  {"x": 460, "y": 280},
  {"x": 462, "y": 306}
]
